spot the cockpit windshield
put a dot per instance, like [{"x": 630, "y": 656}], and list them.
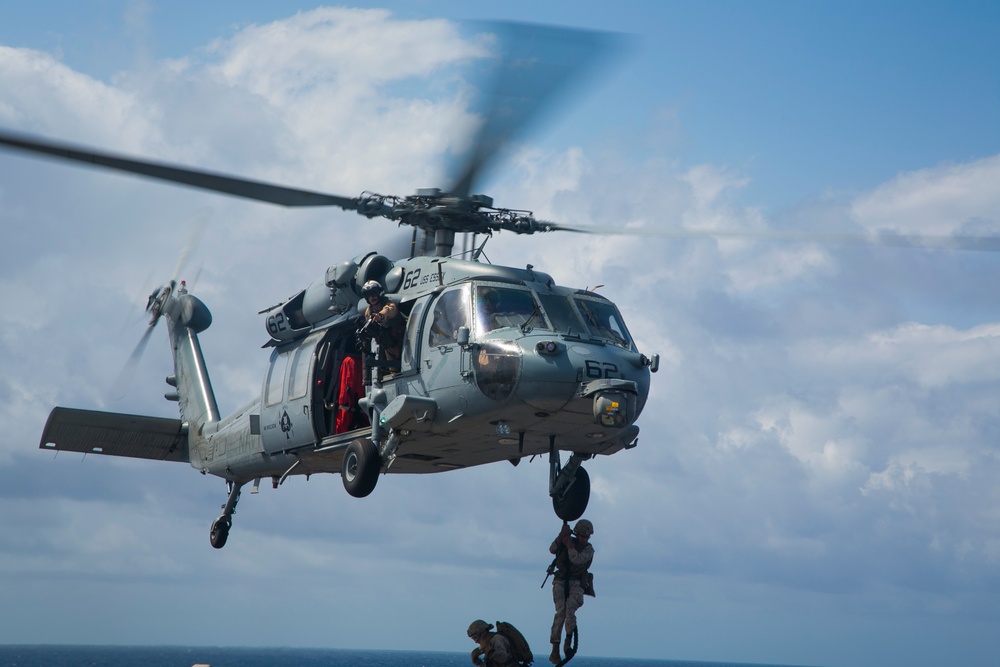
[
  {"x": 562, "y": 315},
  {"x": 604, "y": 321},
  {"x": 503, "y": 307}
]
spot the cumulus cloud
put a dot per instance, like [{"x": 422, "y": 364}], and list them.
[
  {"x": 46, "y": 88},
  {"x": 820, "y": 421},
  {"x": 945, "y": 199}
]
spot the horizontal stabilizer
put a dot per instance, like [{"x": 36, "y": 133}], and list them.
[{"x": 114, "y": 434}]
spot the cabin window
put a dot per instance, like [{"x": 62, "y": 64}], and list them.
[
  {"x": 451, "y": 311},
  {"x": 503, "y": 307},
  {"x": 298, "y": 379},
  {"x": 604, "y": 321},
  {"x": 275, "y": 380}
]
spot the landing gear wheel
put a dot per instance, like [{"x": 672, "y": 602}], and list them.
[
  {"x": 360, "y": 468},
  {"x": 220, "y": 532},
  {"x": 574, "y": 503}
]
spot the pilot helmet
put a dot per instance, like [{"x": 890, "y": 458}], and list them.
[
  {"x": 489, "y": 298},
  {"x": 584, "y": 528},
  {"x": 478, "y": 627},
  {"x": 372, "y": 288}
]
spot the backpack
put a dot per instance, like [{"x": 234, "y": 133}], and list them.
[{"x": 519, "y": 648}]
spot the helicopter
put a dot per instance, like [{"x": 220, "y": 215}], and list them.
[{"x": 494, "y": 364}]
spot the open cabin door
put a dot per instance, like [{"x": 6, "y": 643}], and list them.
[
  {"x": 311, "y": 390},
  {"x": 338, "y": 384}
]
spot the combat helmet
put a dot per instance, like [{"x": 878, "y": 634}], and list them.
[
  {"x": 584, "y": 528},
  {"x": 478, "y": 627}
]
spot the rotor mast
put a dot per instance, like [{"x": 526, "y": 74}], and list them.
[{"x": 444, "y": 242}]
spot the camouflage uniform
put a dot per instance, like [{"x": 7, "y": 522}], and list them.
[
  {"x": 571, "y": 562},
  {"x": 495, "y": 648}
]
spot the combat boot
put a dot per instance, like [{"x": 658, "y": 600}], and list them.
[{"x": 554, "y": 657}]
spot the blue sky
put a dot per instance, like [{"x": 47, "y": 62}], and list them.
[{"x": 816, "y": 476}]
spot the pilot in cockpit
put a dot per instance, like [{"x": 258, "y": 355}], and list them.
[
  {"x": 497, "y": 308},
  {"x": 487, "y": 308}
]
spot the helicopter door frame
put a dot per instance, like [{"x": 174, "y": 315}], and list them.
[
  {"x": 412, "y": 348},
  {"x": 326, "y": 380},
  {"x": 331, "y": 370},
  {"x": 450, "y": 310}
]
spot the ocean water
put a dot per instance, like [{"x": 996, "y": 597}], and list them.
[{"x": 186, "y": 656}]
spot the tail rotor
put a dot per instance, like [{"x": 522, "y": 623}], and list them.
[
  {"x": 154, "y": 308},
  {"x": 157, "y": 301}
]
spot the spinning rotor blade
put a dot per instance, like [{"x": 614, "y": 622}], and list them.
[
  {"x": 205, "y": 180},
  {"x": 536, "y": 63},
  {"x": 156, "y": 300},
  {"x": 127, "y": 372},
  {"x": 154, "y": 309},
  {"x": 536, "y": 66},
  {"x": 198, "y": 226},
  {"x": 926, "y": 241}
]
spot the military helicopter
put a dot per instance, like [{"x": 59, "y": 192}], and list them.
[{"x": 495, "y": 363}]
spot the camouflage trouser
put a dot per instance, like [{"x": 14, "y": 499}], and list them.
[{"x": 566, "y": 606}]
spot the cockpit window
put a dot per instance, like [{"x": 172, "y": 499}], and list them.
[
  {"x": 562, "y": 315},
  {"x": 503, "y": 307},
  {"x": 451, "y": 311},
  {"x": 604, "y": 321}
]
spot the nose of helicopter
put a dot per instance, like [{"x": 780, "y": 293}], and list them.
[{"x": 600, "y": 382}]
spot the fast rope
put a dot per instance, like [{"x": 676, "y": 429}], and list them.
[{"x": 571, "y": 649}]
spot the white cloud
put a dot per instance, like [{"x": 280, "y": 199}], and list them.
[
  {"x": 938, "y": 200},
  {"x": 819, "y": 422},
  {"x": 777, "y": 267},
  {"x": 48, "y": 93}
]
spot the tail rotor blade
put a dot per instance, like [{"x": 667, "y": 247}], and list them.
[
  {"x": 198, "y": 226},
  {"x": 157, "y": 300},
  {"x": 191, "y": 284},
  {"x": 124, "y": 379}
]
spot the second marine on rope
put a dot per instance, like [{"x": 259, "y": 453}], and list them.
[{"x": 571, "y": 581}]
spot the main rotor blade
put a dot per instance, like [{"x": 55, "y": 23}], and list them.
[
  {"x": 925, "y": 241},
  {"x": 536, "y": 64},
  {"x": 205, "y": 180}
]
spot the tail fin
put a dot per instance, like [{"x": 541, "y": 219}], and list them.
[{"x": 186, "y": 317}]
